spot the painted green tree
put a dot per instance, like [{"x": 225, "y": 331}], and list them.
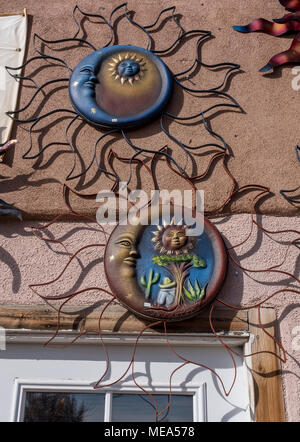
[{"x": 179, "y": 267}]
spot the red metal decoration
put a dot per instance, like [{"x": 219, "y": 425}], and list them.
[{"x": 288, "y": 23}]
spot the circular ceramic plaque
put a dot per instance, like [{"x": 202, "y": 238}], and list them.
[
  {"x": 161, "y": 271},
  {"x": 120, "y": 87}
]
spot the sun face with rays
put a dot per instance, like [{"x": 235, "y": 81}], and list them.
[
  {"x": 127, "y": 68},
  {"x": 172, "y": 239},
  {"x": 118, "y": 87}
]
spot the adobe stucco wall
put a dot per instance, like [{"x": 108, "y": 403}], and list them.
[
  {"x": 26, "y": 260},
  {"x": 262, "y": 141}
]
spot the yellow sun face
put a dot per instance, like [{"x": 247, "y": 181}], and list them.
[
  {"x": 127, "y": 68},
  {"x": 172, "y": 239}
]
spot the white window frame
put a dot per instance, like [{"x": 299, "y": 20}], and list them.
[
  {"x": 198, "y": 391},
  {"x": 23, "y": 386}
]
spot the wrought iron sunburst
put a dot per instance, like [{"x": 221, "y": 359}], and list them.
[{"x": 119, "y": 86}]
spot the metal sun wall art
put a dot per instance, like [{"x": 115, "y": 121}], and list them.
[
  {"x": 119, "y": 87},
  {"x": 158, "y": 271},
  {"x": 287, "y": 24}
]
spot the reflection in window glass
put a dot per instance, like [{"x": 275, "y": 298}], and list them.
[
  {"x": 140, "y": 408},
  {"x": 64, "y": 407}
]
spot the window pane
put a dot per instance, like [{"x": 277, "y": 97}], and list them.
[
  {"x": 140, "y": 408},
  {"x": 64, "y": 407}
]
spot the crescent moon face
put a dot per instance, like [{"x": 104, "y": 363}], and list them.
[
  {"x": 152, "y": 280},
  {"x": 120, "y": 87}
]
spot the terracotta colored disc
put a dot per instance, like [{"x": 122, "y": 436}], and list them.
[
  {"x": 162, "y": 271},
  {"x": 120, "y": 86}
]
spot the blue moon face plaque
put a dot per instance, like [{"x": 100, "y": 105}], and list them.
[
  {"x": 159, "y": 271},
  {"x": 120, "y": 87}
]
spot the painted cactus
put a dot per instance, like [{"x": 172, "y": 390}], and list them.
[
  {"x": 153, "y": 278},
  {"x": 194, "y": 293}
]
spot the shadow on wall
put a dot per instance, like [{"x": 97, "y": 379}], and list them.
[
  {"x": 236, "y": 289},
  {"x": 240, "y": 288},
  {"x": 12, "y": 231}
]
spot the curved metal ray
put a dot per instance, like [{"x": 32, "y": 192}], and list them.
[
  {"x": 205, "y": 35},
  {"x": 94, "y": 158},
  {"x": 77, "y": 8},
  {"x": 142, "y": 151},
  {"x": 36, "y": 121},
  {"x": 178, "y": 39},
  {"x": 111, "y": 16},
  {"x": 71, "y": 146},
  {"x": 191, "y": 117},
  {"x": 296, "y": 198},
  {"x": 291, "y": 199},
  {"x": 171, "y": 8},
  {"x": 24, "y": 77},
  {"x": 298, "y": 152},
  {"x": 223, "y": 94},
  {"x": 185, "y": 146},
  {"x": 197, "y": 62},
  {"x": 63, "y": 40},
  {"x": 9, "y": 113},
  {"x": 134, "y": 23}
]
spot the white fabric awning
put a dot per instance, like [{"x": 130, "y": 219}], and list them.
[{"x": 13, "y": 32}]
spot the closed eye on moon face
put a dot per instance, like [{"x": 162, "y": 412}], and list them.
[{"x": 134, "y": 87}]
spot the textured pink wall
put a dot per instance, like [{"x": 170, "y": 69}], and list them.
[
  {"x": 262, "y": 140},
  {"x": 24, "y": 260}
]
